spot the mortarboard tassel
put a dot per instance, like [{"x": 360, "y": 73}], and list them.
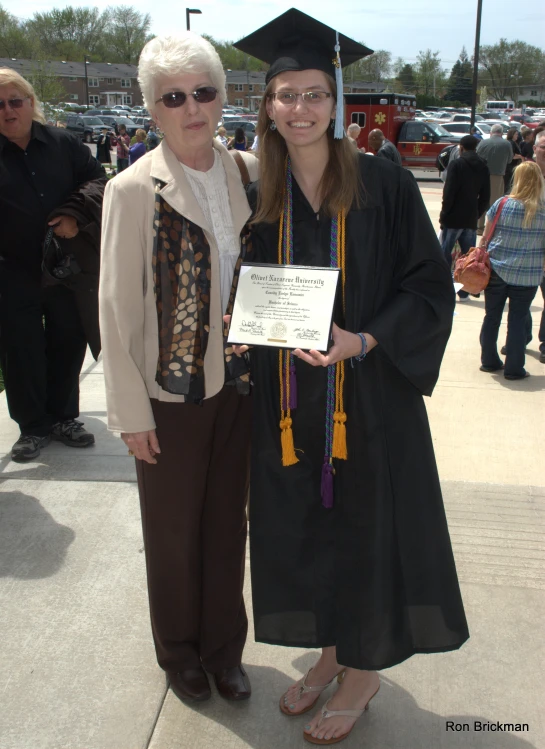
[{"x": 339, "y": 114}]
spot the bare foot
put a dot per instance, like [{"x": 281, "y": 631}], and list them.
[
  {"x": 354, "y": 693},
  {"x": 323, "y": 672}
]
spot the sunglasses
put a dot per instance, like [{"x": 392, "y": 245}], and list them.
[
  {"x": 13, "y": 103},
  {"x": 175, "y": 99}
]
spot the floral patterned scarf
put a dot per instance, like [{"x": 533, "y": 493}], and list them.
[{"x": 182, "y": 277}]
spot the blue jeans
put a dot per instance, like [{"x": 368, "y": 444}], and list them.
[
  {"x": 466, "y": 239},
  {"x": 520, "y": 298}
]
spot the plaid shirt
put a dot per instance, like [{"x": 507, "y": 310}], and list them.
[{"x": 516, "y": 253}]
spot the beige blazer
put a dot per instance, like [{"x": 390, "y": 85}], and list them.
[{"x": 128, "y": 314}]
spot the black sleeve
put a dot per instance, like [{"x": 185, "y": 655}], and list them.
[
  {"x": 450, "y": 189},
  {"x": 413, "y": 326},
  {"x": 85, "y": 167}
]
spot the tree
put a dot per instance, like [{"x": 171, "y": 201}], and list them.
[
  {"x": 459, "y": 84},
  {"x": 13, "y": 41},
  {"x": 375, "y": 67},
  {"x": 48, "y": 87},
  {"x": 69, "y": 33},
  {"x": 128, "y": 32},
  {"x": 509, "y": 65},
  {"x": 430, "y": 77},
  {"x": 234, "y": 59},
  {"x": 406, "y": 79}
]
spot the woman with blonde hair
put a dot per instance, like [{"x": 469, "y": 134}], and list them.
[
  {"x": 517, "y": 254},
  {"x": 49, "y": 182},
  {"x": 350, "y": 550},
  {"x": 138, "y": 149}
]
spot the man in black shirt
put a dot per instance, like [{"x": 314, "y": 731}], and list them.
[
  {"x": 465, "y": 198},
  {"x": 42, "y": 341}
]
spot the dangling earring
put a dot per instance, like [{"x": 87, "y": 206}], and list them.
[
  {"x": 332, "y": 124},
  {"x": 272, "y": 126}
]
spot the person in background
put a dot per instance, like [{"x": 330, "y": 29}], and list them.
[
  {"x": 123, "y": 143},
  {"x": 222, "y": 136},
  {"x": 255, "y": 145},
  {"x": 497, "y": 153},
  {"x": 382, "y": 147},
  {"x": 517, "y": 255},
  {"x": 152, "y": 139},
  {"x": 104, "y": 146},
  {"x": 466, "y": 196},
  {"x": 539, "y": 151},
  {"x": 239, "y": 140},
  {"x": 138, "y": 149},
  {"x": 173, "y": 388},
  {"x": 475, "y": 132},
  {"x": 44, "y": 171},
  {"x": 513, "y": 139},
  {"x": 353, "y": 133},
  {"x": 527, "y": 146}
]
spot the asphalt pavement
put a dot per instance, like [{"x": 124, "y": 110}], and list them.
[{"x": 77, "y": 665}]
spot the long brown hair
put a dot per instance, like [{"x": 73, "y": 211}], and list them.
[
  {"x": 528, "y": 188},
  {"x": 340, "y": 183}
]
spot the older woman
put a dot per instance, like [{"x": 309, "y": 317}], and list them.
[{"x": 170, "y": 246}]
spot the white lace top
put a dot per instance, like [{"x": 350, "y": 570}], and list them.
[{"x": 211, "y": 192}]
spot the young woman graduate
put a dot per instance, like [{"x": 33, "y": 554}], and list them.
[{"x": 350, "y": 550}]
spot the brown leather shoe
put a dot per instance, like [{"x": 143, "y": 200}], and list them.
[
  {"x": 233, "y": 683},
  {"x": 190, "y": 685}
]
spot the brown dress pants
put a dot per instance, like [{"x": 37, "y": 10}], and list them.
[{"x": 194, "y": 520}]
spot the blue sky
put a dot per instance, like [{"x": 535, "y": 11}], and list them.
[{"x": 401, "y": 26}]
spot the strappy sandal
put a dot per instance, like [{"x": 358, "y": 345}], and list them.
[
  {"x": 330, "y": 714},
  {"x": 305, "y": 689}
]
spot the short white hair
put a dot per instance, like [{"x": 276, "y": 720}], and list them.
[
  {"x": 353, "y": 128},
  {"x": 496, "y": 130},
  {"x": 174, "y": 55},
  {"x": 539, "y": 136}
]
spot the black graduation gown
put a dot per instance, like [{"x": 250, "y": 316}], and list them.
[{"x": 375, "y": 574}]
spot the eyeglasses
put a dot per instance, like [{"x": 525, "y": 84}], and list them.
[
  {"x": 175, "y": 99},
  {"x": 13, "y": 103},
  {"x": 309, "y": 97}
]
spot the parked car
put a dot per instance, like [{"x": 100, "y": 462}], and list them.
[
  {"x": 465, "y": 118},
  {"x": 464, "y": 128},
  {"x": 143, "y": 122},
  {"x": 122, "y": 107},
  {"x": 248, "y": 127},
  {"x": 110, "y": 120},
  {"x": 130, "y": 124},
  {"x": 88, "y": 128}
]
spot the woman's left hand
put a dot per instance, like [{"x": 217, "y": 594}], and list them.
[{"x": 345, "y": 346}]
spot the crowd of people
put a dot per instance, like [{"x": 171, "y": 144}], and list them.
[
  {"x": 335, "y": 446},
  {"x": 493, "y": 177}
]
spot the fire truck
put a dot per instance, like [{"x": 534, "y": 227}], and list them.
[{"x": 418, "y": 142}]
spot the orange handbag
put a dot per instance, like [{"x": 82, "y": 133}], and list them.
[{"x": 473, "y": 269}]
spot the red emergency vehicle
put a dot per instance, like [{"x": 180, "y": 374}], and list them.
[{"x": 418, "y": 142}]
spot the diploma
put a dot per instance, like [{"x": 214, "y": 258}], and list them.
[{"x": 284, "y": 306}]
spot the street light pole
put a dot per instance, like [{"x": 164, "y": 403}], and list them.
[
  {"x": 476, "y": 61},
  {"x": 85, "y": 63},
  {"x": 188, "y": 12}
]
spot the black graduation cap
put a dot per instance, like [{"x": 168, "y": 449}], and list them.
[{"x": 296, "y": 41}]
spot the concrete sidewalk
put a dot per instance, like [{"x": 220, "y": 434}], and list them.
[{"x": 77, "y": 666}]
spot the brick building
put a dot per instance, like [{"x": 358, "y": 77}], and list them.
[
  {"x": 116, "y": 83},
  {"x": 108, "y": 83}
]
